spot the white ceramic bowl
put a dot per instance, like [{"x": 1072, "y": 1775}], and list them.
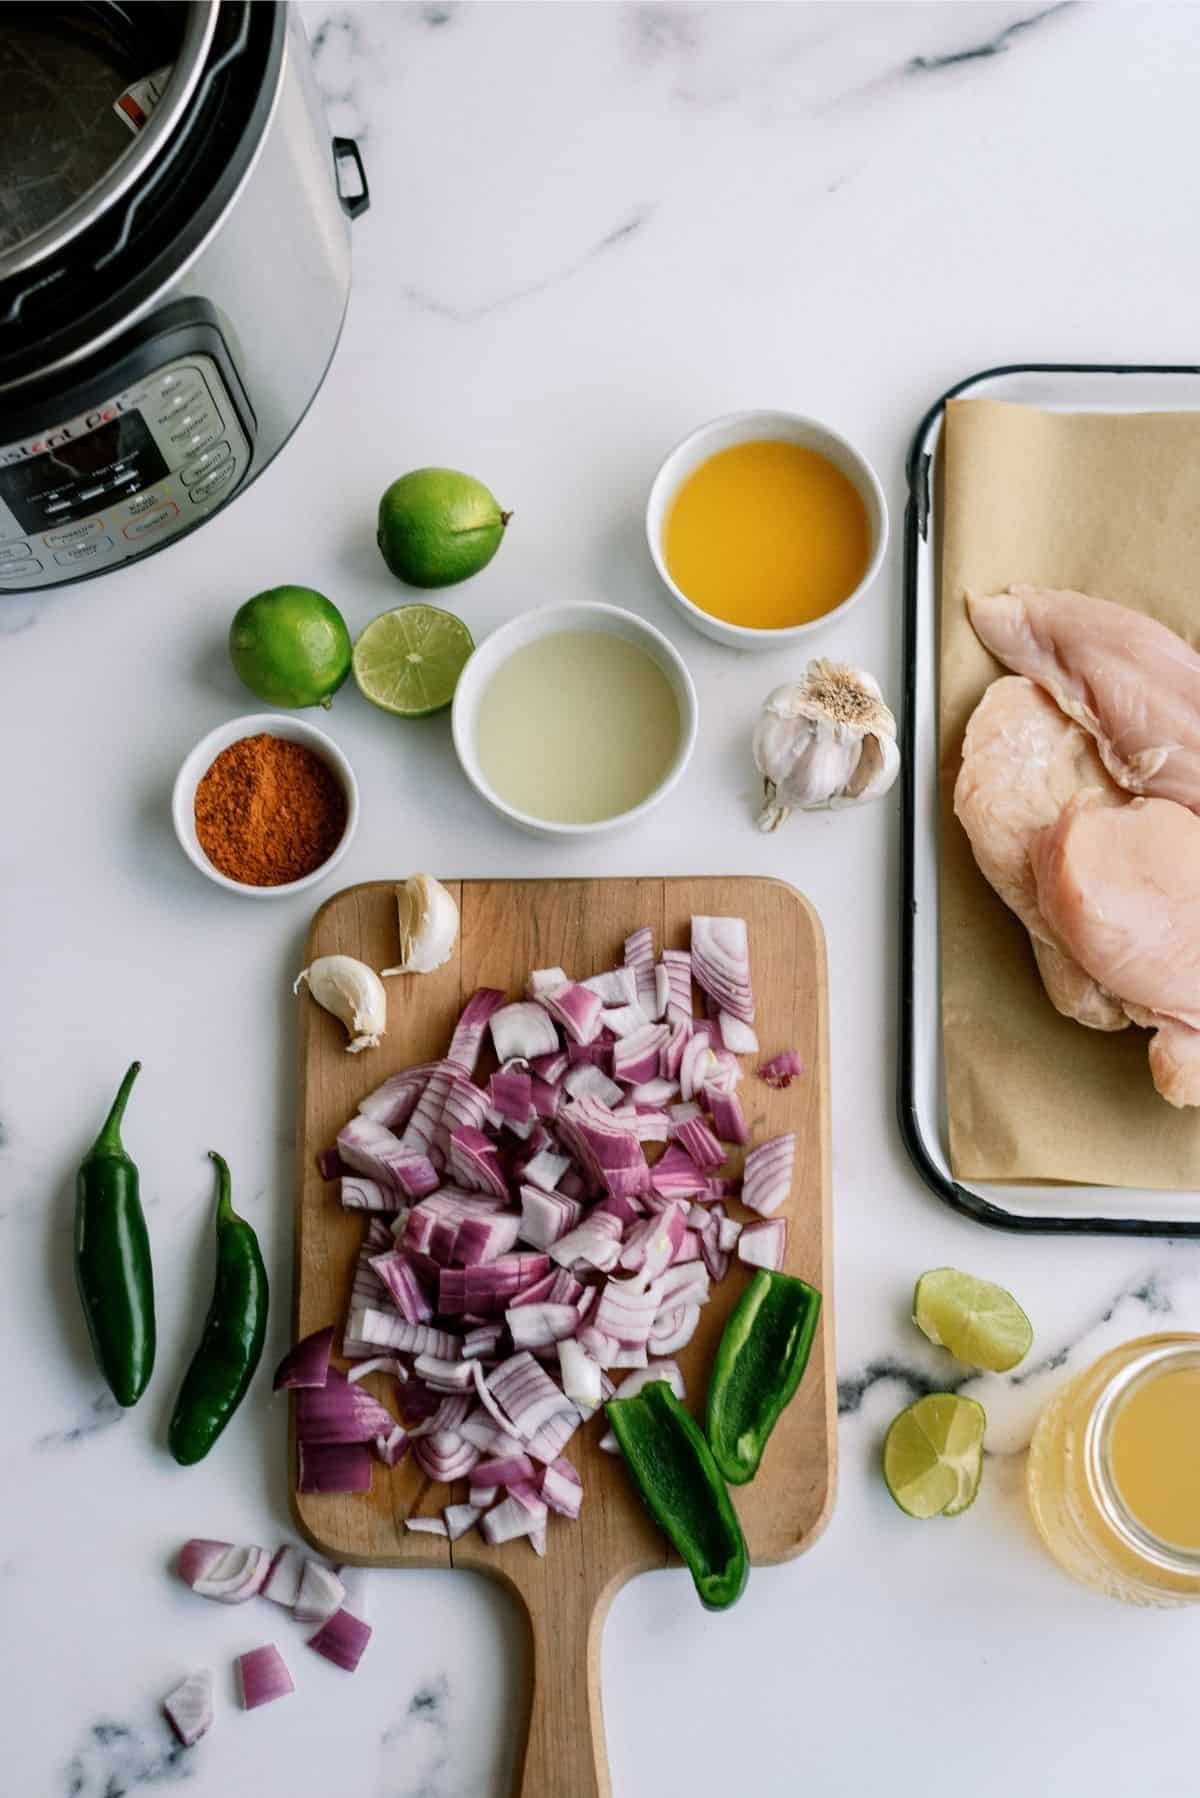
[
  {"x": 201, "y": 759},
  {"x": 529, "y": 627},
  {"x": 747, "y": 427}
]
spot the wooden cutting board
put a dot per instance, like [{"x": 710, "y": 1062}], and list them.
[{"x": 509, "y": 927}]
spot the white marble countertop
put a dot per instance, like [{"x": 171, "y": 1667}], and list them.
[{"x": 591, "y": 228}]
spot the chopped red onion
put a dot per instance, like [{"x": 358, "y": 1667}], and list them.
[
  {"x": 465, "y": 1107},
  {"x": 541, "y": 1326},
  {"x": 330, "y": 1165},
  {"x": 391, "y": 1449},
  {"x": 674, "y": 1330},
  {"x": 557, "y": 1288},
  {"x": 307, "y": 1363},
  {"x": 443, "y": 1375},
  {"x": 729, "y": 1120},
  {"x": 510, "y": 1096},
  {"x": 735, "y": 1035},
  {"x": 377, "y": 1364},
  {"x": 624, "y": 1020},
  {"x": 334, "y": 1467},
  {"x": 506, "y": 1521},
  {"x": 545, "y": 980},
  {"x": 767, "y": 1175},
  {"x": 395, "y": 1269},
  {"x": 550, "y": 1068},
  {"x": 689, "y": 1248},
  {"x": 580, "y": 1375},
  {"x": 526, "y": 1493},
  {"x": 482, "y": 1340},
  {"x": 698, "y": 1063},
  {"x": 422, "y": 1126},
  {"x": 357, "y": 1193},
  {"x": 677, "y": 967},
  {"x": 781, "y": 1070},
  {"x": 475, "y": 1162},
  {"x": 721, "y": 963},
  {"x": 282, "y": 1584},
  {"x": 636, "y": 1057},
  {"x": 697, "y": 1141},
  {"x": 616, "y": 988},
  {"x": 577, "y": 1010},
  {"x": 728, "y": 1232},
  {"x": 487, "y": 1289},
  {"x": 393, "y": 1103},
  {"x": 525, "y": 1393},
  {"x": 545, "y": 1170},
  {"x": 221, "y": 1571},
  {"x": 264, "y": 1677},
  {"x": 189, "y": 1708},
  {"x": 467, "y": 1040},
  {"x": 562, "y": 1488},
  {"x": 445, "y": 1456},
  {"x": 505, "y": 1471},
  {"x": 382, "y": 1329},
  {"x": 426, "y": 1526},
  {"x": 676, "y": 1175},
  {"x": 320, "y": 1592},
  {"x": 656, "y": 1370},
  {"x": 482, "y": 1240},
  {"x": 482, "y": 1496},
  {"x": 371, "y": 1149},
  {"x": 339, "y": 1412},
  {"x": 596, "y": 1241},
  {"x": 585, "y": 1080},
  {"x": 628, "y": 1355},
  {"x": 342, "y": 1640},
  {"x": 460, "y": 1519},
  {"x": 670, "y": 1059},
  {"x": 626, "y": 1311},
  {"x": 764, "y": 1245},
  {"x": 651, "y": 1246}
]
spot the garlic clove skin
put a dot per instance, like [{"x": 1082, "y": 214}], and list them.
[
  {"x": 354, "y": 994},
  {"x": 826, "y": 741},
  {"x": 428, "y": 919}
]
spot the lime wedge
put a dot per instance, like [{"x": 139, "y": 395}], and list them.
[
  {"x": 933, "y": 1455},
  {"x": 978, "y": 1322},
  {"x": 408, "y": 661}
]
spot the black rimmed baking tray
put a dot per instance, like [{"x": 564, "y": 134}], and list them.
[{"x": 1048, "y": 1207}]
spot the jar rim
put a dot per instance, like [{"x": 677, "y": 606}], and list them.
[{"x": 1166, "y": 1354}]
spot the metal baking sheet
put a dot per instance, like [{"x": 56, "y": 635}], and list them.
[{"x": 1048, "y": 1206}]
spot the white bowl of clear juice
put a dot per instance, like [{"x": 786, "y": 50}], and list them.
[
  {"x": 765, "y": 526},
  {"x": 574, "y": 720}
]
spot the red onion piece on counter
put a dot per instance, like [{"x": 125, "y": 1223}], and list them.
[
  {"x": 342, "y": 1639},
  {"x": 189, "y": 1707},
  {"x": 221, "y": 1571},
  {"x": 781, "y": 1070},
  {"x": 264, "y": 1677}
]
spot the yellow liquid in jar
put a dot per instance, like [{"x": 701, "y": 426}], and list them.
[
  {"x": 1155, "y": 1456},
  {"x": 577, "y": 727},
  {"x": 767, "y": 535}
]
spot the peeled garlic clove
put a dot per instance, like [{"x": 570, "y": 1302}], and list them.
[
  {"x": 353, "y": 992},
  {"x": 428, "y": 925},
  {"x": 827, "y": 740}
]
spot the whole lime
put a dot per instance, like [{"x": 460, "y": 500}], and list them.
[
  {"x": 437, "y": 526},
  {"x": 290, "y": 645}
]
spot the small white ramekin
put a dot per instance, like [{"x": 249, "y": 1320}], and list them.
[
  {"x": 748, "y": 427},
  {"x": 528, "y": 628},
  {"x": 201, "y": 759}
]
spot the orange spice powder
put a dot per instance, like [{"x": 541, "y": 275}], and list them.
[{"x": 269, "y": 811}]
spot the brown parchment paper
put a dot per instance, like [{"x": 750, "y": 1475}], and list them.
[{"x": 1109, "y": 504}]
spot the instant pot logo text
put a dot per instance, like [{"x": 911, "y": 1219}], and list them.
[{"x": 52, "y": 440}]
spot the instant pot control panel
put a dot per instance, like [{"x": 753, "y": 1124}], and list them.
[{"x": 124, "y": 475}]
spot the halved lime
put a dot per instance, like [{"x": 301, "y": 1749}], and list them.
[
  {"x": 933, "y": 1455},
  {"x": 408, "y": 661},
  {"x": 979, "y": 1323}
]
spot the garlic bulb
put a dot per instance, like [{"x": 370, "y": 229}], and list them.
[
  {"x": 428, "y": 925},
  {"x": 829, "y": 740},
  {"x": 353, "y": 992}
]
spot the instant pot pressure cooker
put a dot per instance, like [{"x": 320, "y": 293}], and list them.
[{"x": 174, "y": 269}]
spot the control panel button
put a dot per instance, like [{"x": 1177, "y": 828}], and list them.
[
  {"x": 145, "y": 502},
  {"x": 90, "y": 492},
  {"x": 84, "y": 552},
  {"x": 196, "y": 430},
  {"x": 56, "y": 505},
  {"x": 22, "y": 571},
  {"x": 175, "y": 378},
  {"x": 212, "y": 483},
  {"x": 191, "y": 398},
  {"x": 206, "y": 460},
  {"x": 153, "y": 521},
  {"x": 74, "y": 533},
  {"x": 14, "y": 552}
]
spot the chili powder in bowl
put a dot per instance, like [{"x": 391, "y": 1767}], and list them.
[{"x": 265, "y": 805}]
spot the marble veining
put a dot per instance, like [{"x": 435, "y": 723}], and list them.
[
  {"x": 102, "y": 1414},
  {"x": 993, "y": 46},
  {"x": 117, "y": 1759},
  {"x": 416, "y": 1757}
]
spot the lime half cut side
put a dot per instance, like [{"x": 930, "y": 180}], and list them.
[
  {"x": 408, "y": 661},
  {"x": 933, "y": 1455},
  {"x": 980, "y": 1323}
]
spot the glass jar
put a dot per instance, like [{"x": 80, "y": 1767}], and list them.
[{"x": 1078, "y": 1506}]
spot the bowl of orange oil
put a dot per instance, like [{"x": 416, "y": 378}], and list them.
[{"x": 764, "y": 526}]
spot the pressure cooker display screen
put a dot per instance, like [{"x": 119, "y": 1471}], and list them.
[{"x": 82, "y": 474}]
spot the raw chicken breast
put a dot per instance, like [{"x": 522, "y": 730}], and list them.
[
  {"x": 1023, "y": 761},
  {"x": 1129, "y": 681},
  {"x": 1119, "y": 887}
]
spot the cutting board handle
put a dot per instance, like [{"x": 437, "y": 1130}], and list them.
[{"x": 564, "y": 1751}]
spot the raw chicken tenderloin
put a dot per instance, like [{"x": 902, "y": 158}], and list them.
[
  {"x": 1119, "y": 886},
  {"x": 1023, "y": 761},
  {"x": 1129, "y": 681}
]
